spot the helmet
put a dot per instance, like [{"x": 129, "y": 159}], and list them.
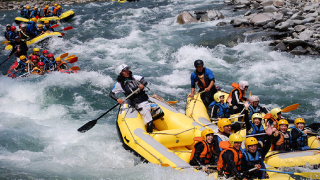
[
  {"x": 8, "y": 25},
  {"x": 299, "y": 120},
  {"x": 235, "y": 138},
  {"x": 40, "y": 25},
  {"x": 34, "y": 57},
  {"x": 256, "y": 115},
  {"x": 243, "y": 84},
  {"x": 250, "y": 141},
  {"x": 198, "y": 62},
  {"x": 59, "y": 7},
  {"x": 36, "y": 50},
  {"x": 58, "y": 58},
  {"x": 274, "y": 112},
  {"x": 34, "y": 20},
  {"x": 28, "y": 7},
  {"x": 50, "y": 55},
  {"x": 36, "y": 7},
  {"x": 22, "y": 57},
  {"x": 20, "y": 25},
  {"x": 206, "y": 132},
  {"x": 217, "y": 96},
  {"x": 45, "y": 52},
  {"x": 120, "y": 68},
  {"x": 40, "y": 64},
  {"x": 17, "y": 37},
  {"x": 46, "y": 7},
  {"x": 222, "y": 123},
  {"x": 253, "y": 98},
  {"x": 282, "y": 121},
  {"x": 46, "y": 21},
  {"x": 13, "y": 28},
  {"x": 23, "y": 26},
  {"x": 55, "y": 4}
]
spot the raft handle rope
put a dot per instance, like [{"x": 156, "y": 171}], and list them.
[
  {"x": 176, "y": 133},
  {"x": 196, "y": 99}
]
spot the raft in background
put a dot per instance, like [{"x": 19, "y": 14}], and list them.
[
  {"x": 43, "y": 38},
  {"x": 64, "y": 17}
]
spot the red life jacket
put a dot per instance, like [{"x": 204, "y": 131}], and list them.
[
  {"x": 237, "y": 160},
  {"x": 237, "y": 87},
  {"x": 207, "y": 151},
  {"x": 55, "y": 11},
  {"x": 269, "y": 116}
]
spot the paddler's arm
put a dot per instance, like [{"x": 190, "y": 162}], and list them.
[
  {"x": 116, "y": 89},
  {"x": 265, "y": 149},
  {"x": 198, "y": 150},
  {"x": 210, "y": 86},
  {"x": 210, "y": 75},
  {"x": 228, "y": 157}
]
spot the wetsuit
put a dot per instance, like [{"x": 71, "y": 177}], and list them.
[
  {"x": 299, "y": 139},
  {"x": 202, "y": 154},
  {"x": 252, "y": 128},
  {"x": 22, "y": 46},
  {"x": 218, "y": 110},
  {"x": 282, "y": 142},
  {"x": 257, "y": 109}
]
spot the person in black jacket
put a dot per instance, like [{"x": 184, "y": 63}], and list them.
[
  {"x": 19, "y": 48},
  {"x": 299, "y": 135}
]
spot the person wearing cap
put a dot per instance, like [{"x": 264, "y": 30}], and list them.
[
  {"x": 299, "y": 135},
  {"x": 35, "y": 13},
  {"x": 203, "y": 153},
  {"x": 57, "y": 11},
  {"x": 23, "y": 33},
  {"x": 8, "y": 28},
  {"x": 205, "y": 80},
  {"x": 35, "y": 51},
  {"x": 44, "y": 56},
  {"x": 50, "y": 64},
  {"x": 60, "y": 65},
  {"x": 18, "y": 48},
  {"x": 255, "y": 107},
  {"x": 47, "y": 26},
  {"x": 127, "y": 84}
]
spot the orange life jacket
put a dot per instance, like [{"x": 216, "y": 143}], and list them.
[
  {"x": 237, "y": 160},
  {"x": 55, "y": 10},
  {"x": 283, "y": 140},
  {"x": 207, "y": 151},
  {"x": 269, "y": 116},
  {"x": 45, "y": 11},
  {"x": 37, "y": 69},
  {"x": 237, "y": 87},
  {"x": 62, "y": 62}
]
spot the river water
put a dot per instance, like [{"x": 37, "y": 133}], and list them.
[{"x": 40, "y": 115}]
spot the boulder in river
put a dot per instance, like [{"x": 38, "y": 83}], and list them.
[{"x": 186, "y": 17}]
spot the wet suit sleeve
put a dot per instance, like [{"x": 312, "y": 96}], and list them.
[
  {"x": 193, "y": 80},
  {"x": 247, "y": 164},
  {"x": 213, "y": 111},
  {"x": 228, "y": 158},
  {"x": 265, "y": 149},
  {"x": 116, "y": 89},
  {"x": 216, "y": 145},
  {"x": 275, "y": 139},
  {"x": 14, "y": 49},
  {"x": 246, "y": 120},
  {"x": 198, "y": 150},
  {"x": 295, "y": 134},
  {"x": 235, "y": 96}
]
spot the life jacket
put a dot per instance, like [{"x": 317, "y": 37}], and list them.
[
  {"x": 37, "y": 70},
  {"x": 43, "y": 58},
  {"x": 207, "y": 150},
  {"x": 30, "y": 65},
  {"x": 237, "y": 87},
  {"x": 223, "y": 111},
  {"x": 202, "y": 80},
  {"x": 222, "y": 166},
  {"x": 269, "y": 116},
  {"x": 129, "y": 86},
  {"x": 29, "y": 57},
  {"x": 255, "y": 160},
  {"x": 34, "y": 13},
  {"x": 46, "y": 11},
  {"x": 59, "y": 67},
  {"x": 31, "y": 28},
  {"x": 56, "y": 11},
  {"x": 256, "y": 130},
  {"x": 284, "y": 140},
  {"x": 22, "y": 12},
  {"x": 302, "y": 140},
  {"x": 45, "y": 28},
  {"x": 253, "y": 110},
  {"x": 23, "y": 36},
  {"x": 11, "y": 36}
]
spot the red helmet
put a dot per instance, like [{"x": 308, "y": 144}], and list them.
[
  {"x": 45, "y": 52},
  {"x": 20, "y": 25},
  {"x": 34, "y": 57},
  {"x": 50, "y": 56},
  {"x": 13, "y": 28},
  {"x": 40, "y": 64}
]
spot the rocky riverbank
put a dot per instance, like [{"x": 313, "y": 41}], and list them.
[
  {"x": 293, "y": 25},
  {"x": 16, "y": 5}
]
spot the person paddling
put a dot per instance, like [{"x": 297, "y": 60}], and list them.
[
  {"x": 6, "y": 33},
  {"x": 47, "y": 26},
  {"x": 60, "y": 65},
  {"x": 18, "y": 48},
  {"x": 205, "y": 81},
  {"x": 128, "y": 83},
  {"x": 12, "y": 34}
]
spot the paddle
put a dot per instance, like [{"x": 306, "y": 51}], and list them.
[
  {"x": 290, "y": 108},
  {"x": 244, "y": 173},
  {"x": 314, "y": 126},
  {"x": 73, "y": 60},
  {"x": 64, "y": 55},
  {"x": 62, "y": 34},
  {"x": 172, "y": 102},
  {"x": 312, "y": 175},
  {"x": 54, "y": 26},
  {"x": 260, "y": 134},
  {"x": 66, "y": 29},
  {"x": 90, "y": 124},
  {"x": 5, "y": 42},
  {"x": 75, "y": 68},
  {"x": 70, "y": 57}
]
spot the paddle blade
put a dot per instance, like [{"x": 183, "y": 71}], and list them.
[
  {"x": 54, "y": 26},
  {"x": 314, "y": 126},
  {"x": 311, "y": 175},
  {"x": 75, "y": 68},
  {"x": 73, "y": 60},
  {"x": 250, "y": 94},
  {"x": 64, "y": 55},
  {"x": 5, "y": 42},
  {"x": 62, "y": 34},
  {"x": 70, "y": 57},
  {"x": 172, "y": 102},
  {"x": 87, "y": 126},
  {"x": 68, "y": 28},
  {"x": 290, "y": 108}
]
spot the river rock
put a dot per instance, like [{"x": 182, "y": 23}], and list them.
[
  {"x": 186, "y": 17},
  {"x": 211, "y": 16},
  {"x": 280, "y": 47},
  {"x": 278, "y": 3},
  {"x": 267, "y": 3},
  {"x": 221, "y": 24},
  {"x": 305, "y": 35},
  {"x": 260, "y": 18},
  {"x": 270, "y": 24},
  {"x": 270, "y": 9},
  {"x": 309, "y": 20},
  {"x": 283, "y": 26},
  {"x": 312, "y": 15},
  {"x": 237, "y": 22},
  {"x": 299, "y": 50},
  {"x": 300, "y": 28}
]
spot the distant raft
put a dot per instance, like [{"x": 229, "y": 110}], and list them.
[
  {"x": 64, "y": 17},
  {"x": 39, "y": 39}
]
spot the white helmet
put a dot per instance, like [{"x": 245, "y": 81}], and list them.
[
  {"x": 243, "y": 84},
  {"x": 23, "y": 25},
  {"x": 253, "y": 98},
  {"x": 120, "y": 68}
]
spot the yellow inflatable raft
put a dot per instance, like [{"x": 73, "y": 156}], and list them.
[
  {"x": 66, "y": 16},
  {"x": 171, "y": 142},
  {"x": 43, "y": 37}
]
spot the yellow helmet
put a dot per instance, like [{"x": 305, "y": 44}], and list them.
[
  {"x": 206, "y": 132},
  {"x": 299, "y": 120},
  {"x": 282, "y": 121},
  {"x": 55, "y": 4},
  {"x": 256, "y": 115},
  {"x": 46, "y": 21},
  {"x": 28, "y": 7},
  {"x": 59, "y": 7},
  {"x": 250, "y": 141},
  {"x": 40, "y": 25},
  {"x": 46, "y": 7},
  {"x": 235, "y": 138},
  {"x": 34, "y": 20},
  {"x": 274, "y": 112},
  {"x": 222, "y": 123},
  {"x": 36, "y": 50},
  {"x": 22, "y": 57},
  {"x": 217, "y": 96},
  {"x": 58, "y": 59}
]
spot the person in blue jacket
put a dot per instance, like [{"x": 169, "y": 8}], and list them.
[
  {"x": 32, "y": 29},
  {"x": 26, "y": 12},
  {"x": 204, "y": 78},
  {"x": 47, "y": 26},
  {"x": 12, "y": 34},
  {"x": 218, "y": 108},
  {"x": 299, "y": 135},
  {"x": 255, "y": 107},
  {"x": 35, "y": 12},
  {"x": 255, "y": 126},
  {"x": 8, "y": 29}
]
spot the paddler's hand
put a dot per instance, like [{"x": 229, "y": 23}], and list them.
[
  {"x": 247, "y": 104},
  {"x": 258, "y": 166},
  {"x": 141, "y": 86},
  {"x": 269, "y": 130},
  {"x": 120, "y": 101},
  {"x": 206, "y": 89},
  {"x": 191, "y": 96},
  {"x": 276, "y": 133},
  {"x": 8, "y": 57},
  {"x": 205, "y": 168},
  {"x": 274, "y": 129},
  {"x": 305, "y": 131}
]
